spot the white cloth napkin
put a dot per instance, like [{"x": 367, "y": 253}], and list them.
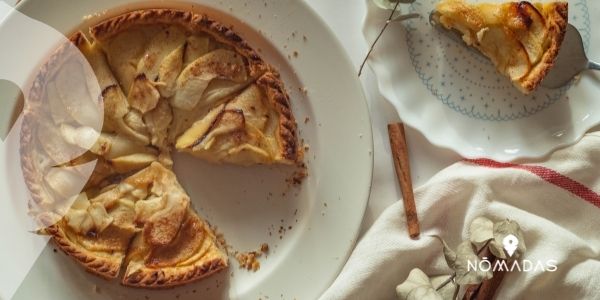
[{"x": 556, "y": 201}]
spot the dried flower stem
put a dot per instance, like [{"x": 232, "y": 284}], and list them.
[
  {"x": 443, "y": 284},
  {"x": 387, "y": 22},
  {"x": 446, "y": 282}
]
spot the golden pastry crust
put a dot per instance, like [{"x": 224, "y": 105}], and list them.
[
  {"x": 104, "y": 266},
  {"x": 272, "y": 85},
  {"x": 556, "y": 21},
  {"x": 193, "y": 22},
  {"x": 169, "y": 277}
]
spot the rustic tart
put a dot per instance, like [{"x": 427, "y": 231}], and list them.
[
  {"x": 522, "y": 39},
  {"x": 165, "y": 80}
]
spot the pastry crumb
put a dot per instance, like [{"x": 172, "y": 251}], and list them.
[
  {"x": 306, "y": 120},
  {"x": 295, "y": 53},
  {"x": 249, "y": 260},
  {"x": 264, "y": 248},
  {"x": 298, "y": 175},
  {"x": 96, "y": 15}
]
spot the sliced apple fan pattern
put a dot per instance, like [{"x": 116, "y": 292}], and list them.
[
  {"x": 155, "y": 88},
  {"x": 108, "y": 129}
]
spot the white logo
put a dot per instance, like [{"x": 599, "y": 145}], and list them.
[{"x": 510, "y": 243}]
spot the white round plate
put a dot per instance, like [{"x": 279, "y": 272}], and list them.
[
  {"x": 311, "y": 229},
  {"x": 458, "y": 100}
]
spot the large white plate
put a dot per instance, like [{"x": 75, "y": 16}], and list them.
[
  {"x": 458, "y": 100},
  {"x": 252, "y": 205}
]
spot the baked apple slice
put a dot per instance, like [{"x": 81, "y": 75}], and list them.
[
  {"x": 521, "y": 38},
  {"x": 530, "y": 27},
  {"x": 248, "y": 129}
]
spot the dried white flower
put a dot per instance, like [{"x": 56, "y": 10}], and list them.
[
  {"x": 418, "y": 286},
  {"x": 483, "y": 230}
]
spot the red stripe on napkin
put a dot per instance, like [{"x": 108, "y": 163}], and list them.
[{"x": 548, "y": 175}]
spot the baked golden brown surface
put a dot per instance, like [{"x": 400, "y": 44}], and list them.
[
  {"x": 97, "y": 148},
  {"x": 521, "y": 38}
]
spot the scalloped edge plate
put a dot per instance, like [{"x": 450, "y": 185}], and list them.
[{"x": 561, "y": 124}]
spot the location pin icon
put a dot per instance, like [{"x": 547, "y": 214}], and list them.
[{"x": 510, "y": 243}]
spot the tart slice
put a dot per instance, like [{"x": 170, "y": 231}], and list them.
[
  {"x": 171, "y": 244},
  {"x": 193, "y": 253},
  {"x": 174, "y": 245},
  {"x": 521, "y": 39}
]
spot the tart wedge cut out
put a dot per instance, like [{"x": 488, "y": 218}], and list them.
[{"x": 522, "y": 39}]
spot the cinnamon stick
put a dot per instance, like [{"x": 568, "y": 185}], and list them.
[
  {"x": 402, "y": 166},
  {"x": 487, "y": 289}
]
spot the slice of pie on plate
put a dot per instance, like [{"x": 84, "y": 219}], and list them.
[
  {"x": 522, "y": 39},
  {"x": 171, "y": 244},
  {"x": 193, "y": 253},
  {"x": 101, "y": 179}
]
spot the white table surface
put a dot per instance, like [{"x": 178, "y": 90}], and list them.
[{"x": 346, "y": 19}]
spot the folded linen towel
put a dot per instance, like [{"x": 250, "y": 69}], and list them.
[{"x": 556, "y": 201}]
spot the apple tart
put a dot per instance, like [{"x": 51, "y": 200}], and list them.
[
  {"x": 522, "y": 39},
  {"x": 101, "y": 122}
]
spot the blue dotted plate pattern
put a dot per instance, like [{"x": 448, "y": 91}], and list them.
[{"x": 468, "y": 83}]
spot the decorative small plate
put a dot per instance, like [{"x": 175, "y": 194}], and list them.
[{"x": 458, "y": 100}]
